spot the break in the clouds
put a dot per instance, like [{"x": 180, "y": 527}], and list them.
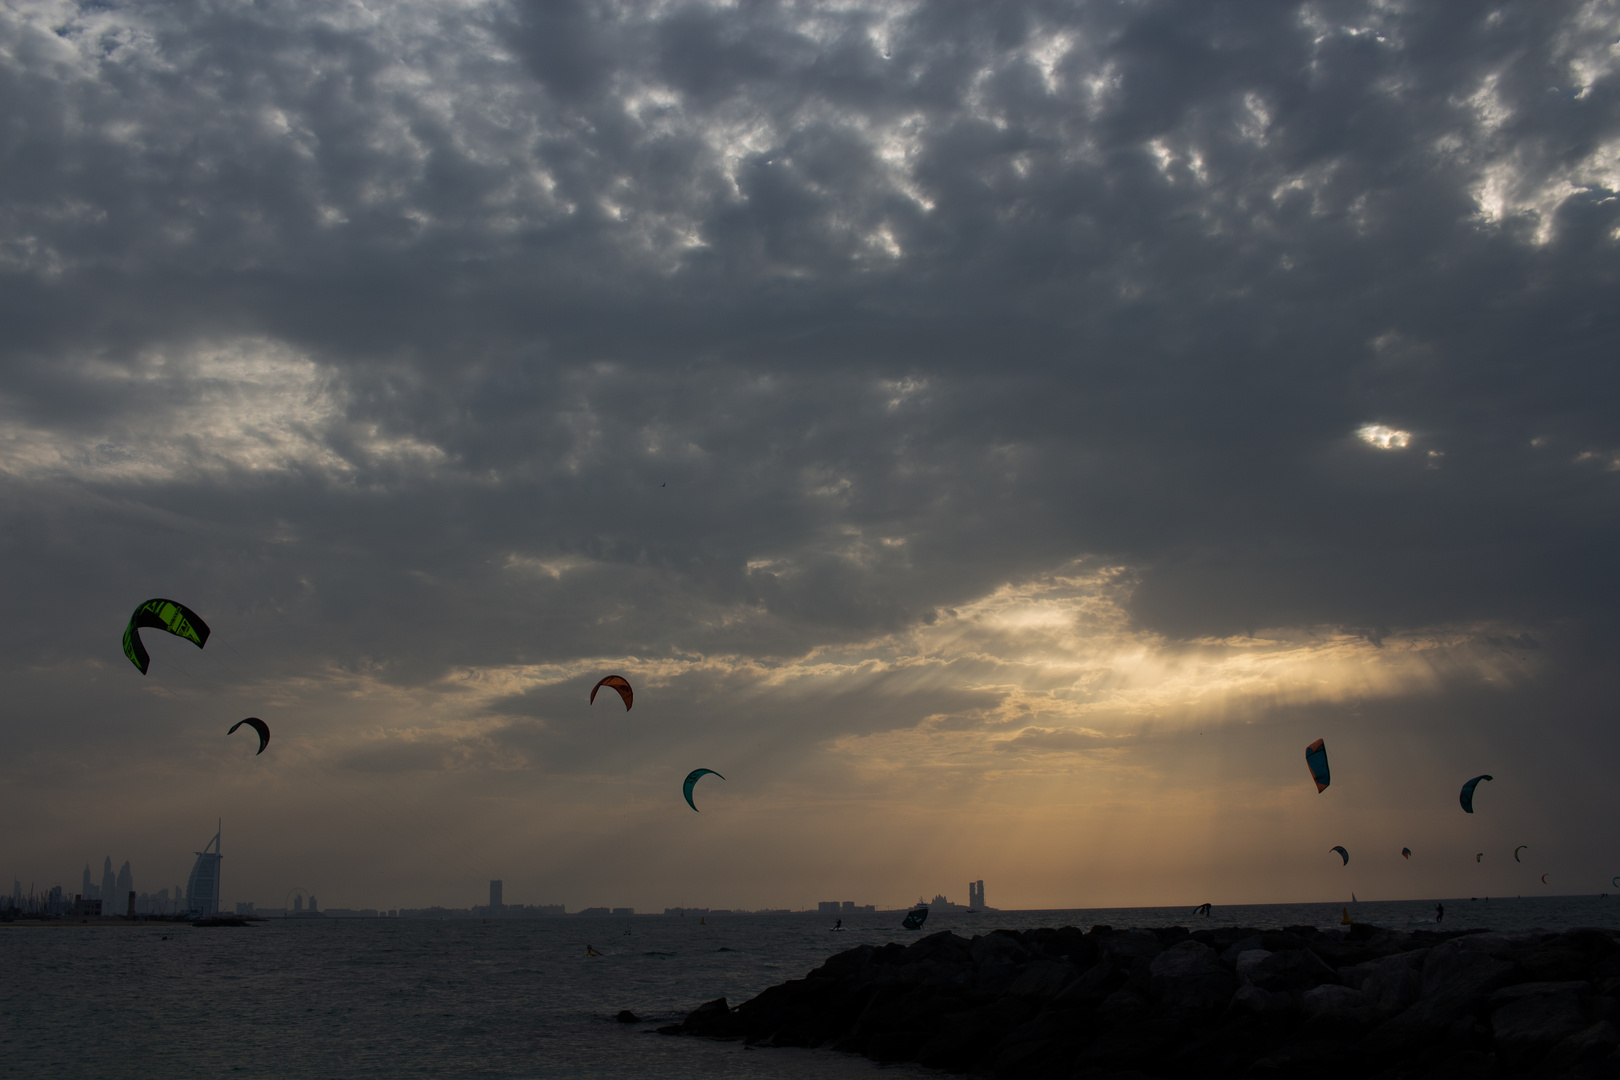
[{"x": 995, "y": 421}]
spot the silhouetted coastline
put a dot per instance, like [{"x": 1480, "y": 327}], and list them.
[{"x": 1233, "y": 1001}]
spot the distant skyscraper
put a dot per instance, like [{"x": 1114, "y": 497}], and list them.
[
  {"x": 86, "y": 889},
  {"x": 312, "y": 902},
  {"x": 298, "y": 903},
  {"x": 109, "y": 886},
  {"x": 202, "y": 890},
  {"x": 495, "y": 894},
  {"x": 126, "y": 885}
]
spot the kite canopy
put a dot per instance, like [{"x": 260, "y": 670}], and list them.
[
  {"x": 1316, "y": 758},
  {"x": 691, "y": 782},
  {"x": 1343, "y": 854},
  {"x": 616, "y": 682},
  {"x": 915, "y": 919},
  {"x": 1516, "y": 851},
  {"x": 176, "y": 618},
  {"x": 257, "y": 725},
  {"x": 1406, "y": 853},
  {"x": 1467, "y": 796},
  {"x": 1544, "y": 879},
  {"x": 1479, "y": 856}
]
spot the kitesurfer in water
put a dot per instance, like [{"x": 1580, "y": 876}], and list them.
[
  {"x": 838, "y": 924},
  {"x": 1439, "y": 912}
]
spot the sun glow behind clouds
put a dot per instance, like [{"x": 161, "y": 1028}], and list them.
[{"x": 1385, "y": 438}]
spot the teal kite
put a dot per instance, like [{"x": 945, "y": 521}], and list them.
[
  {"x": 1406, "y": 853},
  {"x": 1467, "y": 796},
  {"x": 1343, "y": 854},
  {"x": 169, "y": 615},
  {"x": 691, "y": 782},
  {"x": 915, "y": 919},
  {"x": 1316, "y": 758}
]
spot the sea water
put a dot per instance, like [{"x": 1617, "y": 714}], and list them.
[{"x": 506, "y": 998}]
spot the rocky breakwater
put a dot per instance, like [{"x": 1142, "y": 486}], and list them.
[{"x": 1232, "y": 1002}]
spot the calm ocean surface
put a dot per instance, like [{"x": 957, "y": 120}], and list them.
[{"x": 510, "y": 998}]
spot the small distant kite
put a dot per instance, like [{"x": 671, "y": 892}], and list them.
[
  {"x": 176, "y": 618},
  {"x": 691, "y": 782},
  {"x": 1316, "y": 758},
  {"x": 1479, "y": 856},
  {"x": 1516, "y": 851},
  {"x": 1406, "y": 853},
  {"x": 257, "y": 725},
  {"x": 1544, "y": 879},
  {"x": 1467, "y": 795},
  {"x": 616, "y": 682},
  {"x": 1343, "y": 854}
]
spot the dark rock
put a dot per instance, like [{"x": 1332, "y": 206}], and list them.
[
  {"x": 844, "y": 964},
  {"x": 964, "y": 1039},
  {"x": 714, "y": 1019},
  {"x": 1095, "y": 984},
  {"x": 1394, "y": 983},
  {"x": 1218, "y": 1002},
  {"x": 1123, "y": 1005},
  {"x": 1293, "y": 970},
  {"x": 1042, "y": 980},
  {"x": 1131, "y": 949},
  {"x": 892, "y": 1045},
  {"x": 1322, "y": 1057},
  {"x": 1588, "y": 1052},
  {"x": 1454, "y": 981},
  {"x": 1330, "y": 1000},
  {"x": 627, "y": 1017},
  {"x": 1535, "y": 1023},
  {"x": 1189, "y": 978}
]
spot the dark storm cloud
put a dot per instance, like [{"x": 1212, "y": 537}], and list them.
[{"x": 899, "y": 303}]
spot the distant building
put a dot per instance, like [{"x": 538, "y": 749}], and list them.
[
  {"x": 202, "y": 889},
  {"x": 828, "y": 907},
  {"x": 311, "y": 908},
  {"x": 244, "y": 907},
  {"x": 298, "y": 903},
  {"x": 624, "y": 911},
  {"x": 495, "y": 895},
  {"x": 595, "y": 911},
  {"x": 84, "y": 905},
  {"x": 109, "y": 885},
  {"x": 126, "y": 882}
]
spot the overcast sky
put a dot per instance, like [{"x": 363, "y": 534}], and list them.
[{"x": 997, "y": 438}]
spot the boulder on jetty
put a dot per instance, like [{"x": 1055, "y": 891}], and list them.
[{"x": 1233, "y": 1002}]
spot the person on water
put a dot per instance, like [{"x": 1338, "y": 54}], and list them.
[
  {"x": 1439, "y": 912},
  {"x": 839, "y": 925}
]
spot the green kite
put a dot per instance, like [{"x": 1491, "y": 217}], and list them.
[{"x": 176, "y": 618}]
